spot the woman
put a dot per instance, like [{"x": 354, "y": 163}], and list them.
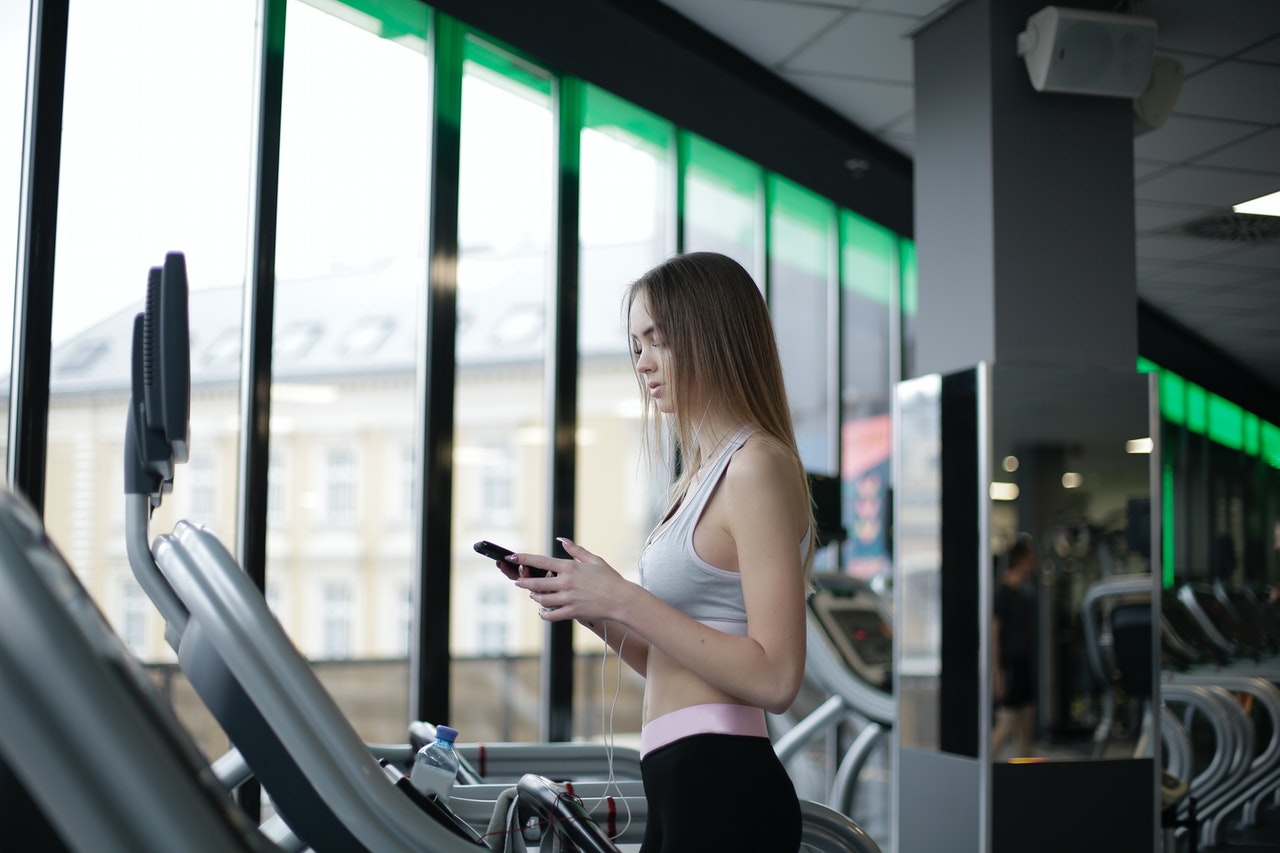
[{"x": 717, "y": 623}]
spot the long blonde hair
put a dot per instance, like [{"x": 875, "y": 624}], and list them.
[{"x": 714, "y": 323}]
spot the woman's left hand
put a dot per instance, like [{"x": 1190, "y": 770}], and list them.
[{"x": 583, "y": 587}]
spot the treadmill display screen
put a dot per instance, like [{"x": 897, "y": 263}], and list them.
[{"x": 867, "y": 634}]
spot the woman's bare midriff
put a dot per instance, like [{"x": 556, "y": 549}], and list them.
[{"x": 670, "y": 687}]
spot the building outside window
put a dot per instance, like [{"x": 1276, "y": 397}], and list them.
[
  {"x": 132, "y": 626},
  {"x": 276, "y": 508},
  {"x": 340, "y": 485},
  {"x": 496, "y": 497},
  {"x": 335, "y": 639},
  {"x": 272, "y": 596},
  {"x": 491, "y": 620},
  {"x": 202, "y": 475},
  {"x": 406, "y": 475},
  {"x": 404, "y": 620}
]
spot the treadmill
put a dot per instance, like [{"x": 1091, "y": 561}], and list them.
[
  {"x": 849, "y": 659},
  {"x": 86, "y": 738}
]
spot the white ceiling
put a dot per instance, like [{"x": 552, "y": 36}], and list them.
[{"x": 1221, "y": 145}]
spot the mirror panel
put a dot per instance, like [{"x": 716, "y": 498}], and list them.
[{"x": 1070, "y": 513}]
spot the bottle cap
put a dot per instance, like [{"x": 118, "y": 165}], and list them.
[{"x": 446, "y": 733}]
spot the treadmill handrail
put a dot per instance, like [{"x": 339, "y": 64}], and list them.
[
  {"x": 824, "y": 665},
  {"x": 1210, "y": 702},
  {"x": 121, "y": 777},
  {"x": 229, "y": 614},
  {"x": 1187, "y": 595},
  {"x": 1259, "y": 763},
  {"x": 1118, "y": 586},
  {"x": 137, "y": 509}
]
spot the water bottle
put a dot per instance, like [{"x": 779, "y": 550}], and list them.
[{"x": 436, "y": 765}]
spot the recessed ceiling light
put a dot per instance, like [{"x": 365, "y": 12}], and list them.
[
  {"x": 1267, "y": 205},
  {"x": 1004, "y": 491}
]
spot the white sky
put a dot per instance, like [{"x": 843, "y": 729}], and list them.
[
  {"x": 155, "y": 114},
  {"x": 13, "y": 53},
  {"x": 157, "y": 149}
]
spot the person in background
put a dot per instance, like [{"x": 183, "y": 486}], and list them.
[
  {"x": 1013, "y": 650},
  {"x": 716, "y": 624}
]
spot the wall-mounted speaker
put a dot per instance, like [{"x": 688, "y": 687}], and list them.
[
  {"x": 1088, "y": 53},
  {"x": 1154, "y": 106}
]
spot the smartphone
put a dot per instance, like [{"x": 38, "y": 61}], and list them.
[{"x": 497, "y": 552}]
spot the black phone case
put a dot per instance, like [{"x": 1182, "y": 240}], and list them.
[{"x": 497, "y": 552}]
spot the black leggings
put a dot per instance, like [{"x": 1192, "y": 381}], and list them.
[
  {"x": 1019, "y": 684},
  {"x": 719, "y": 792}
]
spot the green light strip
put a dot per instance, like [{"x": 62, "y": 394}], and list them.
[
  {"x": 1173, "y": 397},
  {"x": 1167, "y": 522},
  {"x": 800, "y": 225},
  {"x": 609, "y": 114},
  {"x": 868, "y": 258},
  {"x": 1184, "y": 403},
  {"x": 1226, "y": 422},
  {"x": 910, "y": 281},
  {"x": 1197, "y": 408},
  {"x": 1271, "y": 444}
]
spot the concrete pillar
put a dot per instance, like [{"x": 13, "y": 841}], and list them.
[
  {"x": 1024, "y": 212},
  {"x": 1024, "y": 228}
]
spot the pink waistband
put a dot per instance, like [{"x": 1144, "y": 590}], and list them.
[{"x": 722, "y": 719}]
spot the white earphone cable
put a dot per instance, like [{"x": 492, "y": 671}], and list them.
[{"x": 611, "y": 781}]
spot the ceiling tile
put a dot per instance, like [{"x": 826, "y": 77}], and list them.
[
  {"x": 768, "y": 32},
  {"x": 1152, "y": 216},
  {"x": 845, "y": 4},
  {"x": 1195, "y": 319},
  {"x": 903, "y": 143},
  {"x": 902, "y": 126},
  {"x": 1244, "y": 91},
  {"x": 1267, "y": 284},
  {"x": 1244, "y": 319},
  {"x": 1260, "y": 302},
  {"x": 1184, "y": 137},
  {"x": 915, "y": 8},
  {"x": 1151, "y": 266},
  {"x": 1260, "y": 152},
  {"x": 901, "y": 133},
  {"x": 1165, "y": 294},
  {"x": 1206, "y": 275},
  {"x": 1174, "y": 248},
  {"x": 1268, "y": 51},
  {"x": 1189, "y": 314},
  {"x": 1191, "y": 62},
  {"x": 1146, "y": 168},
  {"x": 870, "y": 104},
  {"x": 1264, "y": 255},
  {"x": 1216, "y": 28},
  {"x": 864, "y": 45},
  {"x": 1218, "y": 324},
  {"x": 1199, "y": 185}
]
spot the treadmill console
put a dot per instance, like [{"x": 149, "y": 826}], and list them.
[{"x": 860, "y": 629}]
